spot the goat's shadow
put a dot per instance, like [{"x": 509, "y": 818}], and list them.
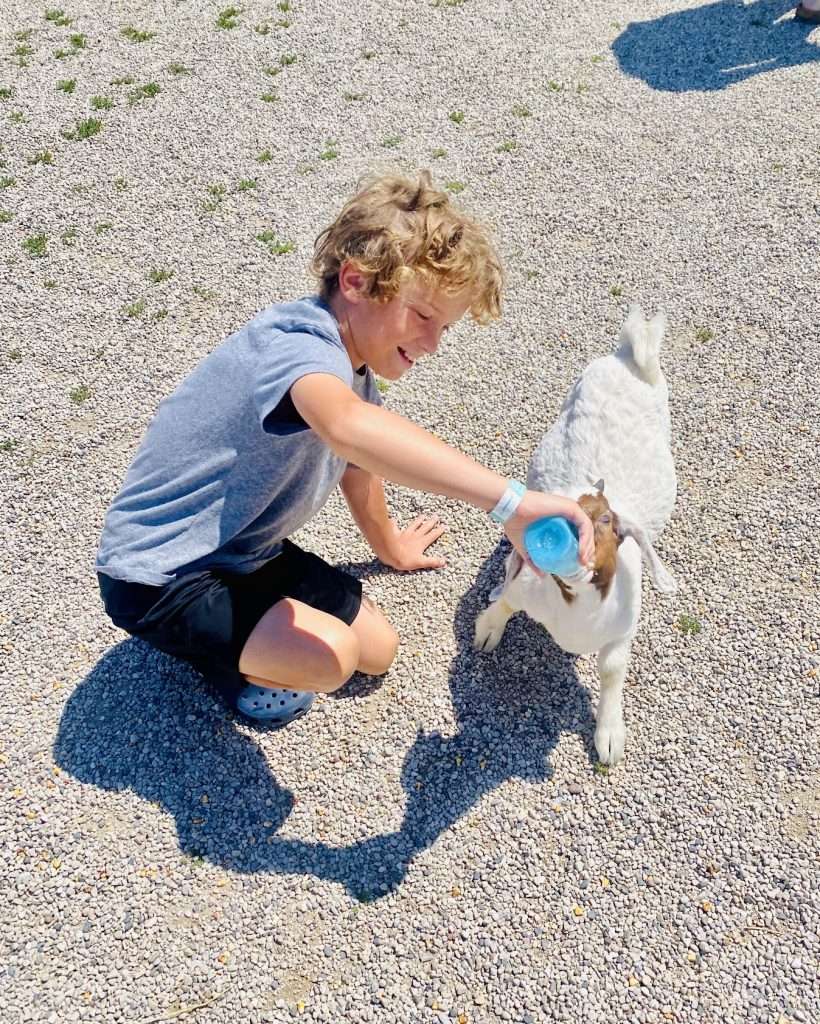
[
  {"x": 712, "y": 47},
  {"x": 177, "y": 745}
]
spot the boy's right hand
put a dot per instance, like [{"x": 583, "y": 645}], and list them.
[{"x": 535, "y": 505}]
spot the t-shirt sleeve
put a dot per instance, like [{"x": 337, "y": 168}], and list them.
[
  {"x": 371, "y": 392},
  {"x": 286, "y": 357}
]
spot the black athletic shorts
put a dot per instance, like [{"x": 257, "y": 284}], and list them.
[{"x": 206, "y": 617}]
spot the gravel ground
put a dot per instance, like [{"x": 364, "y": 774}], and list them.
[{"x": 436, "y": 846}]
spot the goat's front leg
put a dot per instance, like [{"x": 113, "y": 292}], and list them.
[
  {"x": 610, "y": 732},
  {"x": 490, "y": 625}
]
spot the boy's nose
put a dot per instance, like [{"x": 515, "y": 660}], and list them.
[{"x": 432, "y": 340}]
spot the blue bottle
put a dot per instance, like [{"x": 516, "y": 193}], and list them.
[{"x": 552, "y": 544}]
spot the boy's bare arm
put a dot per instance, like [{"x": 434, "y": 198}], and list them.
[
  {"x": 400, "y": 549},
  {"x": 394, "y": 448}
]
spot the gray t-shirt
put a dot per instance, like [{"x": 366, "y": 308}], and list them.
[{"x": 227, "y": 468}]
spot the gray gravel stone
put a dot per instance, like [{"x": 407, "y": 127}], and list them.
[{"x": 427, "y": 840}]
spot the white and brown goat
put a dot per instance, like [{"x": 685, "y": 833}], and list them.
[{"x": 612, "y": 429}]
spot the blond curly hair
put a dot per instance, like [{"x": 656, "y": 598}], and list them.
[{"x": 394, "y": 228}]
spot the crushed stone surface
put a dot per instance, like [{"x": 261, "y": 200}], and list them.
[{"x": 436, "y": 845}]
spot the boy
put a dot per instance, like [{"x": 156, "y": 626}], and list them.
[{"x": 194, "y": 555}]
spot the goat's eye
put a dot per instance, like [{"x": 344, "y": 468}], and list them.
[{"x": 605, "y": 518}]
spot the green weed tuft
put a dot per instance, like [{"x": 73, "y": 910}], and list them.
[
  {"x": 35, "y": 245},
  {"x": 86, "y": 129},
  {"x": 67, "y": 85},
  {"x": 274, "y": 246},
  {"x": 58, "y": 17},
  {"x": 101, "y": 103},
  {"x": 158, "y": 275},
  {"x": 143, "y": 92},
  {"x": 135, "y": 35},
  {"x": 689, "y": 625},
  {"x": 80, "y": 394},
  {"x": 45, "y": 156},
  {"x": 227, "y": 18}
]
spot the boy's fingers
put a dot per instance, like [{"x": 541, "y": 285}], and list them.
[
  {"x": 434, "y": 563},
  {"x": 434, "y": 533}
]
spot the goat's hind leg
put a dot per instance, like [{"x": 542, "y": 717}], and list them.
[{"x": 610, "y": 731}]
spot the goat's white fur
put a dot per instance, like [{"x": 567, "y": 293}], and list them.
[{"x": 613, "y": 425}]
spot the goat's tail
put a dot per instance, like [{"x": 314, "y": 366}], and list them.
[{"x": 642, "y": 339}]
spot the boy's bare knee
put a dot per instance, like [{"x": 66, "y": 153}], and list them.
[
  {"x": 341, "y": 660},
  {"x": 380, "y": 652}
]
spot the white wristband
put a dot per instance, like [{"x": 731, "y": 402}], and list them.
[{"x": 509, "y": 501}]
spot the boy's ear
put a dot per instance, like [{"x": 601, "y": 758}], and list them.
[{"x": 354, "y": 284}]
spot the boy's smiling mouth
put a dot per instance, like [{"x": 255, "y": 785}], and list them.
[{"x": 405, "y": 357}]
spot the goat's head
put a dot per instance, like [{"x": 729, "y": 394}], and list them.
[
  {"x": 607, "y": 538},
  {"x": 610, "y": 530}
]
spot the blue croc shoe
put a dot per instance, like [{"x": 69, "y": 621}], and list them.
[{"x": 274, "y": 706}]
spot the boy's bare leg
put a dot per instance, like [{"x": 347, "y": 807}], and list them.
[
  {"x": 378, "y": 641},
  {"x": 294, "y": 646}
]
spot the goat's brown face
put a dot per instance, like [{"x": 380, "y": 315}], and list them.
[{"x": 607, "y": 539}]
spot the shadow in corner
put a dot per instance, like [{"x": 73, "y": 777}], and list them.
[
  {"x": 711, "y": 47},
  {"x": 512, "y": 707}
]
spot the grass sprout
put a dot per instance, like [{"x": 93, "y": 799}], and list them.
[
  {"x": 135, "y": 35},
  {"x": 35, "y": 245}
]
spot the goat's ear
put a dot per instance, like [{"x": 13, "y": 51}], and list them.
[
  {"x": 661, "y": 576},
  {"x": 599, "y": 486}
]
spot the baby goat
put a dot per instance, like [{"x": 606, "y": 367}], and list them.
[{"x": 613, "y": 427}]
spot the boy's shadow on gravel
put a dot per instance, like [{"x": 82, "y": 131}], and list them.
[
  {"x": 137, "y": 722},
  {"x": 711, "y": 47}
]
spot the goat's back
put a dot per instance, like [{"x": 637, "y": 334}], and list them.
[{"x": 613, "y": 425}]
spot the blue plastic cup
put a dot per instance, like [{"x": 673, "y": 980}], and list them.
[{"x": 552, "y": 544}]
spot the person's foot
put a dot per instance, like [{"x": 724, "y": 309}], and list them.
[
  {"x": 274, "y": 706},
  {"x": 808, "y": 10}
]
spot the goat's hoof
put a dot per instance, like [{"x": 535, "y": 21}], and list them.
[
  {"x": 610, "y": 741},
  {"x": 487, "y": 631}
]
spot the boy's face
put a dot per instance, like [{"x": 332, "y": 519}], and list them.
[{"x": 390, "y": 337}]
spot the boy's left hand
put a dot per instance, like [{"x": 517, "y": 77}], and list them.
[{"x": 406, "y": 547}]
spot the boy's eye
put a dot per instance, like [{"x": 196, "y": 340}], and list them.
[{"x": 421, "y": 315}]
